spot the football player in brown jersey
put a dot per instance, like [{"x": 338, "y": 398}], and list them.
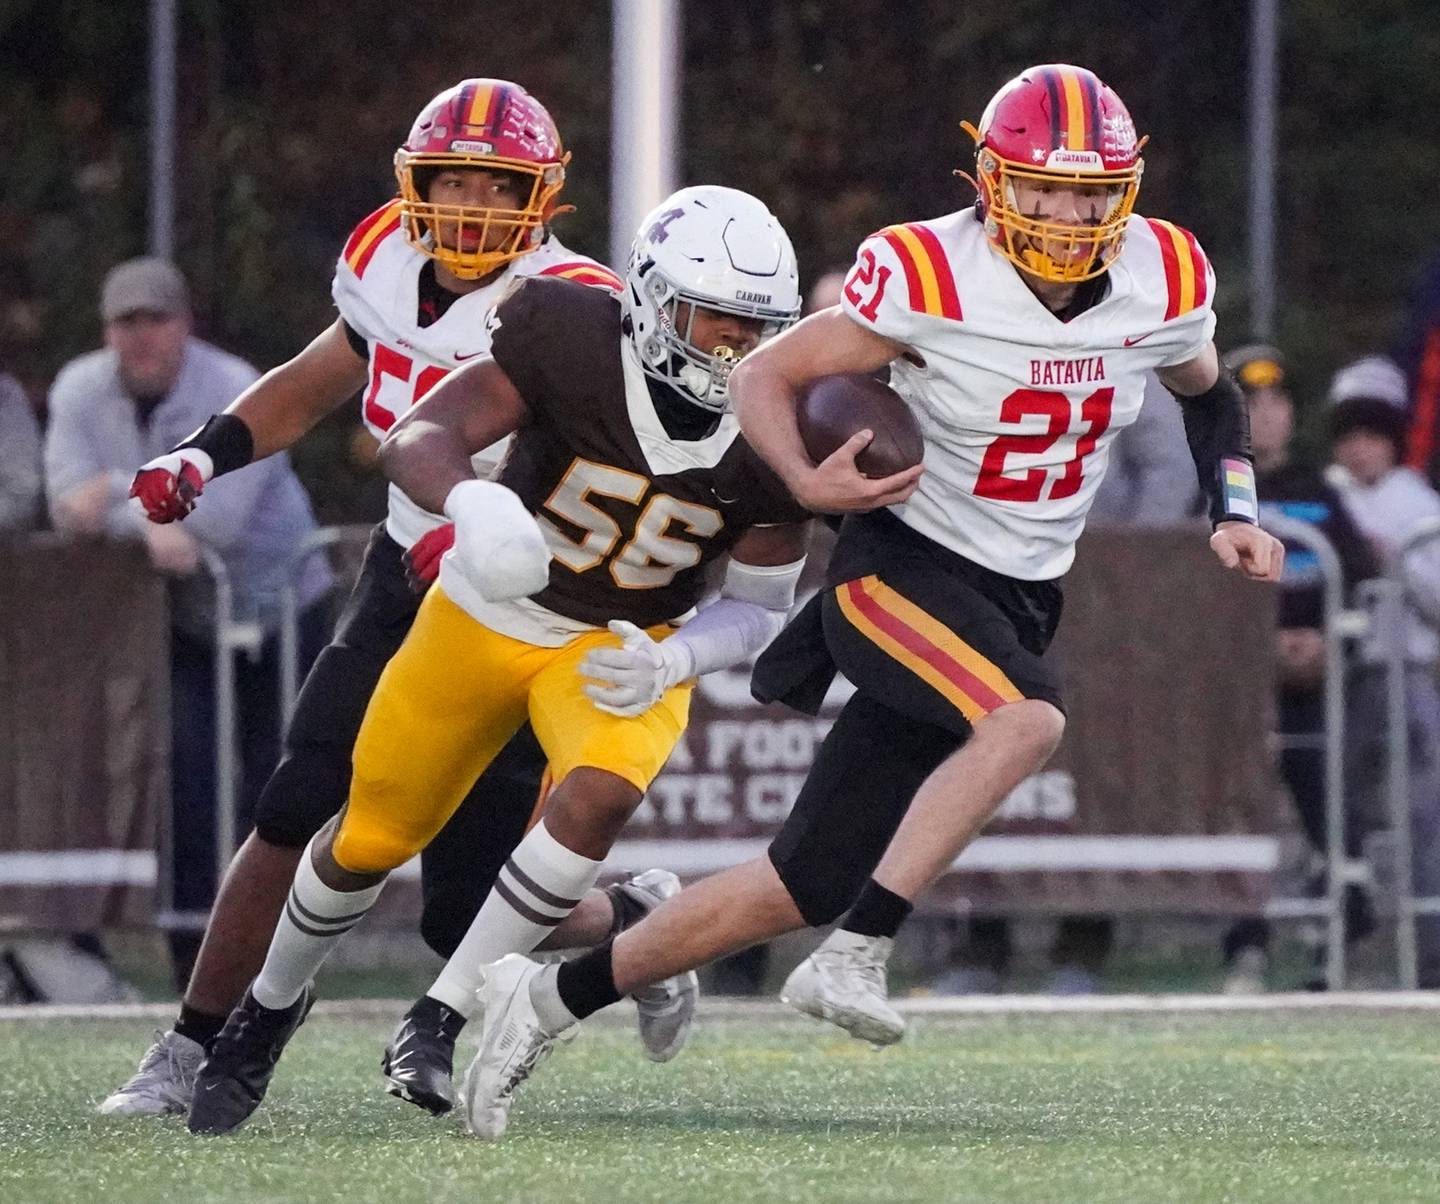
[{"x": 562, "y": 600}]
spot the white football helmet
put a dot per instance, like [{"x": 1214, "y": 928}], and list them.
[{"x": 714, "y": 247}]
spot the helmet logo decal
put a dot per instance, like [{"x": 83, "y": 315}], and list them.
[
  {"x": 475, "y": 148},
  {"x": 659, "y": 231},
  {"x": 1117, "y": 135}
]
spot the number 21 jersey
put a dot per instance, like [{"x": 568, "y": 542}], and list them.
[{"x": 1019, "y": 407}]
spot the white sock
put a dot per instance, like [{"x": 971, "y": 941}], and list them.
[
  {"x": 314, "y": 920},
  {"x": 537, "y": 888}
]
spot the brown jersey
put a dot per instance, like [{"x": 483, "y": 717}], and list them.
[{"x": 632, "y": 516}]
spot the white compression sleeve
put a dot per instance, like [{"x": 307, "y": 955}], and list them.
[{"x": 747, "y": 615}]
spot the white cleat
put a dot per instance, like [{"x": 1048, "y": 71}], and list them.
[
  {"x": 843, "y": 982},
  {"x": 512, "y": 1043},
  {"x": 164, "y": 1082},
  {"x": 665, "y": 1011}
]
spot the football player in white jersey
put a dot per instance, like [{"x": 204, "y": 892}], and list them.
[
  {"x": 479, "y": 178},
  {"x": 1019, "y": 331}
]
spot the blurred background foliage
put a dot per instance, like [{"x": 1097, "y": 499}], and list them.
[{"x": 842, "y": 114}]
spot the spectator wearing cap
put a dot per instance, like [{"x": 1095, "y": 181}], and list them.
[
  {"x": 1368, "y": 420},
  {"x": 153, "y": 384},
  {"x": 1299, "y": 491},
  {"x": 20, "y": 489}
]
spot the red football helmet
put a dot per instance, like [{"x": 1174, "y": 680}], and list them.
[
  {"x": 491, "y": 124},
  {"x": 1056, "y": 125}
]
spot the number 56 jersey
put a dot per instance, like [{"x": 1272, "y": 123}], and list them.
[
  {"x": 377, "y": 291},
  {"x": 1018, "y": 407},
  {"x": 632, "y": 516}
]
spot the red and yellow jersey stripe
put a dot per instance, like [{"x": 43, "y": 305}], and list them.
[
  {"x": 1187, "y": 274},
  {"x": 927, "y": 270},
  {"x": 583, "y": 272},
  {"x": 923, "y": 644},
  {"x": 366, "y": 238}
]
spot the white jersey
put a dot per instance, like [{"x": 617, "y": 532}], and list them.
[
  {"x": 376, "y": 289},
  {"x": 1019, "y": 408}
]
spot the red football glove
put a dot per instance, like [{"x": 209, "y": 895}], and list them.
[
  {"x": 168, "y": 485},
  {"x": 422, "y": 561}
]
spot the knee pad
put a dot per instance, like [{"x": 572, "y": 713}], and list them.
[{"x": 307, "y": 788}]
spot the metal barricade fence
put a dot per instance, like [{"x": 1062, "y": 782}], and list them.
[
  {"x": 1338, "y": 625},
  {"x": 1390, "y": 599},
  {"x": 232, "y": 635}
]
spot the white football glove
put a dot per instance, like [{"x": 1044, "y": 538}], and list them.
[
  {"x": 629, "y": 680},
  {"x": 499, "y": 546}
]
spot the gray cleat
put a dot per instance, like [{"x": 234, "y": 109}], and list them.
[{"x": 164, "y": 1082}]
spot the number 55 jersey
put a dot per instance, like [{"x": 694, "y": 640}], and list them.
[
  {"x": 411, "y": 347},
  {"x": 1018, "y": 406}
]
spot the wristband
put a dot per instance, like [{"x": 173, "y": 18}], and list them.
[{"x": 226, "y": 439}]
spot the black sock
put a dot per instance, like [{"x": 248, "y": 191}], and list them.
[
  {"x": 441, "y": 1015},
  {"x": 587, "y": 983},
  {"x": 199, "y": 1026},
  {"x": 628, "y": 909},
  {"x": 877, "y": 912}
]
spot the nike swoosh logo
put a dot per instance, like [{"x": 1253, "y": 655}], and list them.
[
  {"x": 471, "y": 356},
  {"x": 1140, "y": 339}
]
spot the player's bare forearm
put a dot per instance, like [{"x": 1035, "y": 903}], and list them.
[
  {"x": 1194, "y": 376},
  {"x": 765, "y": 386},
  {"x": 427, "y": 452},
  {"x": 783, "y": 543},
  {"x": 287, "y": 401}
]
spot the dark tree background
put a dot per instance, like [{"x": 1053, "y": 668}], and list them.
[{"x": 842, "y": 114}]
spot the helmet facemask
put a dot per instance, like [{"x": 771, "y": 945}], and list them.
[
  {"x": 497, "y": 235},
  {"x": 1057, "y": 251},
  {"x": 664, "y": 337}
]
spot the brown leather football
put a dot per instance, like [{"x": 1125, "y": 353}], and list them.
[{"x": 833, "y": 408}]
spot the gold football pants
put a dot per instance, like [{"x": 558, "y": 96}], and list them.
[{"x": 449, "y": 701}]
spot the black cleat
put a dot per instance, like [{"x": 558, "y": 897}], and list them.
[
  {"x": 233, "y": 1079},
  {"x": 419, "y": 1062}
]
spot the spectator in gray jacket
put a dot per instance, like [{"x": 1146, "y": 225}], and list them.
[
  {"x": 110, "y": 411},
  {"x": 19, "y": 458}
]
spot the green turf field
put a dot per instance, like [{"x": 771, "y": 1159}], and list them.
[{"x": 1267, "y": 1106}]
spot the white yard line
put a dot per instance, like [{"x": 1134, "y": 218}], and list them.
[{"x": 769, "y": 1009}]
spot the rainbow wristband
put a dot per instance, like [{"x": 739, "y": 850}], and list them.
[{"x": 1237, "y": 491}]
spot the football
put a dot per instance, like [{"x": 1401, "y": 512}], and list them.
[{"x": 833, "y": 408}]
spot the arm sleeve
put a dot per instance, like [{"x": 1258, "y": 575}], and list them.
[{"x": 1217, "y": 427}]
